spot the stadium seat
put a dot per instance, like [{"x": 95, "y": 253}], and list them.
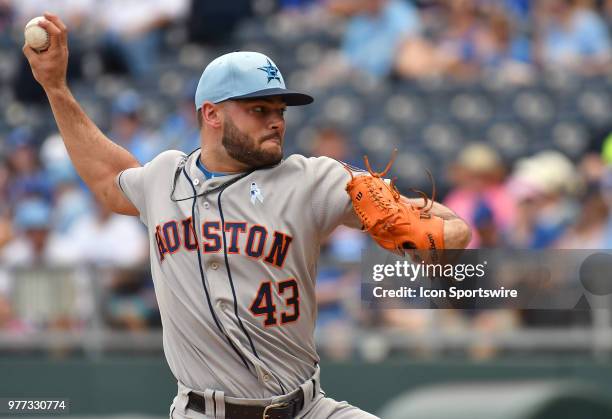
[
  {"x": 509, "y": 138},
  {"x": 470, "y": 108},
  {"x": 443, "y": 139},
  {"x": 572, "y": 138},
  {"x": 595, "y": 106},
  {"x": 405, "y": 109},
  {"x": 378, "y": 139},
  {"x": 343, "y": 109},
  {"x": 534, "y": 107}
]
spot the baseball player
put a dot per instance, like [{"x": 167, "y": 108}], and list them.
[{"x": 234, "y": 234}]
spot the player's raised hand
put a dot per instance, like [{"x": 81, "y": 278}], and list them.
[{"x": 49, "y": 67}]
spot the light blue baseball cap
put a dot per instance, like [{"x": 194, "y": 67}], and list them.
[{"x": 244, "y": 75}]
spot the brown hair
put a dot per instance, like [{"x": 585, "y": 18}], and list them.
[{"x": 199, "y": 118}]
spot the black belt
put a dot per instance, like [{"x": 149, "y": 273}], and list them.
[{"x": 285, "y": 410}]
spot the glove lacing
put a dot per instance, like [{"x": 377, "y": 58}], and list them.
[{"x": 424, "y": 210}]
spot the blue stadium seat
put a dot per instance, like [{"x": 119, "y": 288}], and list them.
[
  {"x": 534, "y": 107},
  {"x": 378, "y": 139},
  {"x": 472, "y": 109},
  {"x": 406, "y": 110},
  {"x": 509, "y": 138},
  {"x": 570, "y": 137},
  {"x": 595, "y": 106},
  {"x": 442, "y": 139},
  {"x": 343, "y": 109}
]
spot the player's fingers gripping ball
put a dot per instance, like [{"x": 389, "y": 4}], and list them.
[
  {"x": 394, "y": 224},
  {"x": 36, "y": 37}
]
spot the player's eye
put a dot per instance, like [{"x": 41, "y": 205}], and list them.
[{"x": 264, "y": 110}]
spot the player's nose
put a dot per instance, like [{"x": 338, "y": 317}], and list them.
[
  {"x": 276, "y": 122},
  {"x": 277, "y": 125}
]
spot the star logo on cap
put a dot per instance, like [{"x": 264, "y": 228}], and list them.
[{"x": 271, "y": 71}]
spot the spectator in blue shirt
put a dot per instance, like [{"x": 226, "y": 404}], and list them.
[
  {"x": 27, "y": 178},
  {"x": 375, "y": 32},
  {"x": 573, "y": 36},
  {"x": 128, "y": 129}
]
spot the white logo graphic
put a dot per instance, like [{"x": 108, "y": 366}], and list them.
[{"x": 256, "y": 194}]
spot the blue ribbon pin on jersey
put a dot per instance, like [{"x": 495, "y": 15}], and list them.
[{"x": 256, "y": 194}]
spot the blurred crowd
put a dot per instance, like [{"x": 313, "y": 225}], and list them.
[
  {"x": 463, "y": 39},
  {"x": 541, "y": 199}
]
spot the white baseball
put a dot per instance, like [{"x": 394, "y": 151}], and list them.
[{"x": 35, "y": 36}]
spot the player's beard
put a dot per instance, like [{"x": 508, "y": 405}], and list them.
[{"x": 245, "y": 149}]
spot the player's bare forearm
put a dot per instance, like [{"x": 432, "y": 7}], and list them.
[
  {"x": 96, "y": 158},
  {"x": 457, "y": 233}
]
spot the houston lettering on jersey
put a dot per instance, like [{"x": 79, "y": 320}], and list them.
[{"x": 253, "y": 241}]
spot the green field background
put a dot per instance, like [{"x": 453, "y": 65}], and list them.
[{"x": 145, "y": 384}]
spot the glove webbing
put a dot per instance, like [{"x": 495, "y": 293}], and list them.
[{"x": 424, "y": 210}]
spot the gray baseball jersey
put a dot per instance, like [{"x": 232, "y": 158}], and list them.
[{"x": 234, "y": 262}]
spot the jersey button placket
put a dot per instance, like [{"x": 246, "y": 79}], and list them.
[{"x": 214, "y": 266}]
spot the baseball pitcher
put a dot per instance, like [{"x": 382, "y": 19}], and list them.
[{"x": 235, "y": 231}]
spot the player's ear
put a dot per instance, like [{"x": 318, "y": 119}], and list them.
[{"x": 211, "y": 115}]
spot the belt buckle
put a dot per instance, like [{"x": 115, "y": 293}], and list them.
[{"x": 273, "y": 406}]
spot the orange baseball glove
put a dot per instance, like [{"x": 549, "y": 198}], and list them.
[{"x": 394, "y": 224}]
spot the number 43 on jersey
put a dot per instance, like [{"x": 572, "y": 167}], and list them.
[{"x": 263, "y": 304}]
